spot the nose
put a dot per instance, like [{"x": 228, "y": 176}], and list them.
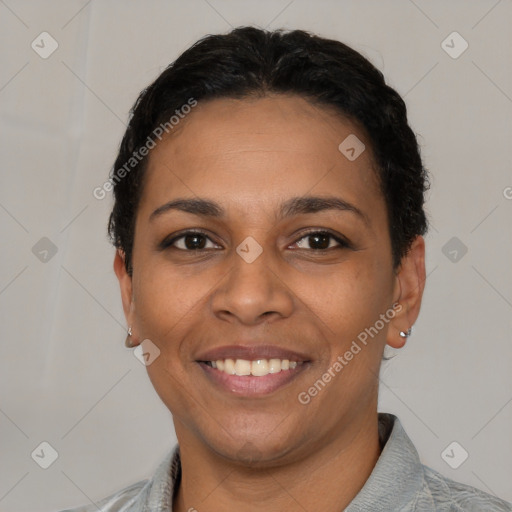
[{"x": 252, "y": 293}]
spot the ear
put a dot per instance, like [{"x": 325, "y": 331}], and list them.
[
  {"x": 409, "y": 286},
  {"x": 125, "y": 283}
]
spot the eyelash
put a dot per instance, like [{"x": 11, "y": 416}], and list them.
[{"x": 343, "y": 244}]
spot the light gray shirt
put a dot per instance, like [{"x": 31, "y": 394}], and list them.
[{"x": 398, "y": 483}]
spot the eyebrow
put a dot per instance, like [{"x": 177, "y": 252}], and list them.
[{"x": 294, "y": 206}]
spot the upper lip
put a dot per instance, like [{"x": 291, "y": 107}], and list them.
[{"x": 251, "y": 353}]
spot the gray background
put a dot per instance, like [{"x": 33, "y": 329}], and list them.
[{"x": 66, "y": 377}]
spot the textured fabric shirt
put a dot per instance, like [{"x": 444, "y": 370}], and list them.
[{"x": 398, "y": 483}]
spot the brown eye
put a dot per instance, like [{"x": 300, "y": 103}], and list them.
[
  {"x": 191, "y": 241},
  {"x": 320, "y": 240},
  {"x": 194, "y": 241}
]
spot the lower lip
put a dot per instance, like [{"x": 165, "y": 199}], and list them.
[{"x": 248, "y": 385}]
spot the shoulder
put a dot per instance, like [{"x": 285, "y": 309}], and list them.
[
  {"x": 404, "y": 484},
  {"x": 449, "y": 496},
  {"x": 122, "y": 501},
  {"x": 143, "y": 495}
]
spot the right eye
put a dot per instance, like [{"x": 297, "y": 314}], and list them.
[{"x": 191, "y": 241}]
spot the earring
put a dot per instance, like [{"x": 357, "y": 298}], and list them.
[
  {"x": 128, "y": 341},
  {"x": 407, "y": 333}
]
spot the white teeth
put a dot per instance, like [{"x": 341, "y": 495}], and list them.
[
  {"x": 243, "y": 367},
  {"x": 274, "y": 366},
  {"x": 257, "y": 368},
  {"x": 229, "y": 366}
]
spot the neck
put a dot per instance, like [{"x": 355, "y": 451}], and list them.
[{"x": 327, "y": 479}]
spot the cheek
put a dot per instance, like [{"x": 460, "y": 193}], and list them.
[
  {"x": 167, "y": 300},
  {"x": 358, "y": 296},
  {"x": 169, "y": 311},
  {"x": 356, "y": 293}
]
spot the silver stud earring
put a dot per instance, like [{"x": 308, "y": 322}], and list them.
[
  {"x": 407, "y": 333},
  {"x": 128, "y": 341}
]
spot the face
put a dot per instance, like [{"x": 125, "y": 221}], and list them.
[{"x": 258, "y": 240}]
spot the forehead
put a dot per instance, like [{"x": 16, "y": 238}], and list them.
[{"x": 258, "y": 152}]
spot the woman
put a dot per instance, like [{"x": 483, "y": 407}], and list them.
[{"x": 268, "y": 221}]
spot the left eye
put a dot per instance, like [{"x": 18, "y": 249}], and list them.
[{"x": 320, "y": 240}]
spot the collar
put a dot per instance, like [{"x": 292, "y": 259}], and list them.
[
  {"x": 396, "y": 478},
  {"x": 398, "y": 475}
]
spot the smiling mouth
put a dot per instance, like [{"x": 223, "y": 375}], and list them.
[
  {"x": 256, "y": 368},
  {"x": 252, "y": 370},
  {"x": 252, "y": 378}
]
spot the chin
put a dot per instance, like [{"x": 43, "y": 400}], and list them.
[{"x": 261, "y": 447}]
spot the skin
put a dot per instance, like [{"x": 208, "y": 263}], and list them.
[{"x": 250, "y": 156}]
